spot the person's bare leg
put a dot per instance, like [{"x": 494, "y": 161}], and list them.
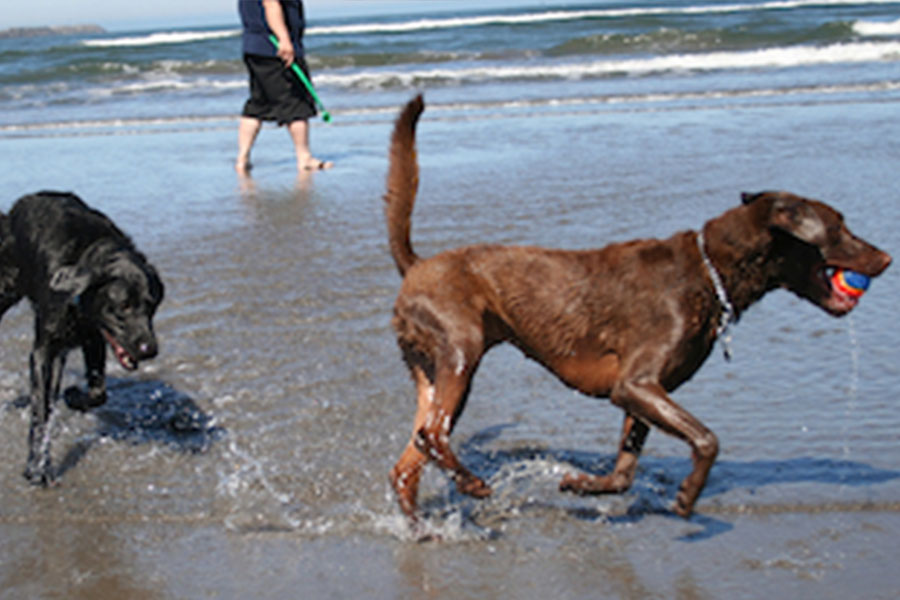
[
  {"x": 299, "y": 131},
  {"x": 248, "y": 129}
]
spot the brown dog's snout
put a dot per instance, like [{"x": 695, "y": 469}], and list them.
[
  {"x": 875, "y": 263},
  {"x": 884, "y": 261},
  {"x": 860, "y": 256}
]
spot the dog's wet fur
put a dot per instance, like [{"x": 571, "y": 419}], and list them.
[
  {"x": 89, "y": 286},
  {"x": 630, "y": 322}
]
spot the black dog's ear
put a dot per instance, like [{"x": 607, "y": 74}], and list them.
[
  {"x": 157, "y": 289},
  {"x": 797, "y": 217},
  {"x": 70, "y": 280}
]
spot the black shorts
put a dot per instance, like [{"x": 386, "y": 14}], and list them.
[{"x": 276, "y": 93}]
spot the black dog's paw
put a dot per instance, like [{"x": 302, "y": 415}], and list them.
[
  {"x": 41, "y": 477},
  {"x": 78, "y": 399}
]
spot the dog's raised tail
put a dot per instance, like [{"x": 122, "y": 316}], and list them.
[{"x": 402, "y": 184}]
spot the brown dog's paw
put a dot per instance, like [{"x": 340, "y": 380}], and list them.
[
  {"x": 473, "y": 486},
  {"x": 421, "y": 534},
  {"x": 574, "y": 483},
  {"x": 682, "y": 507},
  {"x": 590, "y": 485}
]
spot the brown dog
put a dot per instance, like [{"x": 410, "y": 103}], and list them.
[{"x": 629, "y": 322}]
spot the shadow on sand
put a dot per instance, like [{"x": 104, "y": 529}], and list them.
[{"x": 142, "y": 412}]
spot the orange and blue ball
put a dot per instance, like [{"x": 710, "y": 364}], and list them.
[{"x": 850, "y": 283}]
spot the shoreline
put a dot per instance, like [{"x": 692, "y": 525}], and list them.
[{"x": 486, "y": 109}]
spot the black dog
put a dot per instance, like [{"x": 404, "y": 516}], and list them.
[{"x": 88, "y": 286}]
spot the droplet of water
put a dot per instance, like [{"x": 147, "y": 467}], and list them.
[{"x": 853, "y": 383}]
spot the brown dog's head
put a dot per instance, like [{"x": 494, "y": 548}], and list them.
[{"x": 812, "y": 242}]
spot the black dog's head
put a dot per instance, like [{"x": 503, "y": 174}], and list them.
[
  {"x": 119, "y": 295},
  {"x": 812, "y": 242}
]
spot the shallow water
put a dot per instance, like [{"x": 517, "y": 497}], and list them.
[{"x": 251, "y": 457}]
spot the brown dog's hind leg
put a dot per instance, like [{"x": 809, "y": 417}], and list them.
[
  {"x": 439, "y": 406},
  {"x": 433, "y": 437},
  {"x": 408, "y": 470},
  {"x": 634, "y": 432},
  {"x": 647, "y": 400}
]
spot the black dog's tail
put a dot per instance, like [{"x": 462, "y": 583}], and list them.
[{"x": 402, "y": 184}]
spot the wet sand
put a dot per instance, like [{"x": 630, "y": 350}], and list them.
[{"x": 250, "y": 458}]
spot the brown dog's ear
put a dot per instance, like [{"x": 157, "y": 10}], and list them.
[
  {"x": 747, "y": 197},
  {"x": 797, "y": 217}
]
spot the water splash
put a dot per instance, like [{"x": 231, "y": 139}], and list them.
[
  {"x": 853, "y": 386},
  {"x": 251, "y": 470},
  {"x": 256, "y": 503}
]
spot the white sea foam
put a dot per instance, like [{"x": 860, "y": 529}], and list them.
[
  {"x": 168, "y": 37},
  {"x": 575, "y": 15},
  {"x": 877, "y": 28},
  {"x": 784, "y": 57},
  {"x": 172, "y": 83}
]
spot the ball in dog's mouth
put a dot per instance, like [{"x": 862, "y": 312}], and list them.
[
  {"x": 845, "y": 288},
  {"x": 125, "y": 359},
  {"x": 850, "y": 283}
]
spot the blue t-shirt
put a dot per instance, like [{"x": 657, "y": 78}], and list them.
[{"x": 256, "y": 32}]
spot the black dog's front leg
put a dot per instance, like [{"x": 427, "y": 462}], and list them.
[
  {"x": 46, "y": 372},
  {"x": 94, "y": 350}
]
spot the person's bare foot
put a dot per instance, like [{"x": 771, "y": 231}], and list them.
[
  {"x": 243, "y": 167},
  {"x": 311, "y": 163}
]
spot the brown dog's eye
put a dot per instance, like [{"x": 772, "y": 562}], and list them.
[{"x": 834, "y": 234}]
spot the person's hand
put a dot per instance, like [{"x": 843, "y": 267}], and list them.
[{"x": 286, "y": 51}]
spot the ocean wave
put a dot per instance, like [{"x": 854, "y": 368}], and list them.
[
  {"x": 575, "y": 15},
  {"x": 162, "y": 38},
  {"x": 110, "y": 79},
  {"x": 877, "y": 28},
  {"x": 784, "y": 57},
  {"x": 169, "y": 84},
  {"x": 669, "y": 40},
  {"x": 868, "y": 28},
  {"x": 88, "y": 73},
  {"x": 496, "y": 107}
]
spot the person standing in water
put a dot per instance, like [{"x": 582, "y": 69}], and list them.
[{"x": 276, "y": 94}]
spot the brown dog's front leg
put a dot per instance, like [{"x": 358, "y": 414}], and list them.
[
  {"x": 647, "y": 400},
  {"x": 634, "y": 432},
  {"x": 706, "y": 447}
]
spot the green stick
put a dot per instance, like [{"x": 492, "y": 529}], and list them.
[{"x": 326, "y": 116}]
